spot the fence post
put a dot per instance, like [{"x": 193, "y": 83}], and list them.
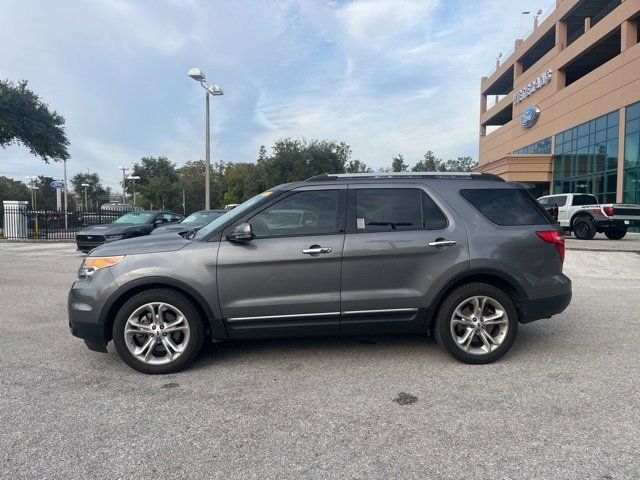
[{"x": 15, "y": 219}]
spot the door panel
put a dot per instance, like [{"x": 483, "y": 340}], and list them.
[
  {"x": 287, "y": 280},
  {"x": 268, "y": 287},
  {"x": 386, "y": 275}
]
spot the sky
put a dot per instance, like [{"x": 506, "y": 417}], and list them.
[{"x": 384, "y": 76}]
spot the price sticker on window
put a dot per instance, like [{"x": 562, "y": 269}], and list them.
[{"x": 360, "y": 223}]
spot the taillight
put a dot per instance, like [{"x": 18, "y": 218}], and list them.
[
  {"x": 609, "y": 211},
  {"x": 555, "y": 237}
]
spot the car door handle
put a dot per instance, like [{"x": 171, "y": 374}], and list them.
[
  {"x": 441, "y": 242},
  {"x": 314, "y": 249}
]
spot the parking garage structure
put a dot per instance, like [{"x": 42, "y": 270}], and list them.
[{"x": 562, "y": 112}]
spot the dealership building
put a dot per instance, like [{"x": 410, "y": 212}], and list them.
[{"x": 562, "y": 112}]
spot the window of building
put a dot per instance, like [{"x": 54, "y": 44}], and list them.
[
  {"x": 538, "y": 148},
  {"x": 631, "y": 179},
  {"x": 390, "y": 209},
  {"x": 507, "y": 207},
  {"x": 586, "y": 158},
  {"x": 303, "y": 213}
]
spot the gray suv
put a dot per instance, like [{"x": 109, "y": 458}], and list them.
[{"x": 466, "y": 257}]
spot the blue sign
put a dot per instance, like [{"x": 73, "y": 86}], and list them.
[
  {"x": 57, "y": 184},
  {"x": 529, "y": 116}
]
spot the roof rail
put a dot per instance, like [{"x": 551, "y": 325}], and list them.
[{"x": 391, "y": 175}]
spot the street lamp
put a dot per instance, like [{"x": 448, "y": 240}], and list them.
[
  {"x": 522, "y": 15},
  {"x": 124, "y": 193},
  {"x": 85, "y": 185},
  {"x": 134, "y": 178},
  {"x": 33, "y": 188},
  {"x": 199, "y": 76}
]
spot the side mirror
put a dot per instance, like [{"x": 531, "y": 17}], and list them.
[
  {"x": 158, "y": 221},
  {"x": 241, "y": 233}
]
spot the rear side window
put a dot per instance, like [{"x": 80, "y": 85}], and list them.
[
  {"x": 579, "y": 200},
  {"x": 509, "y": 207},
  {"x": 391, "y": 209}
]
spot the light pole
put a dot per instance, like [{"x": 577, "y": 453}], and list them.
[
  {"x": 134, "y": 178},
  {"x": 33, "y": 188},
  {"x": 85, "y": 185},
  {"x": 124, "y": 183},
  {"x": 199, "y": 76},
  {"x": 66, "y": 220},
  {"x": 522, "y": 14}
]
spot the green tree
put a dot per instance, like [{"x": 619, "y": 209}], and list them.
[
  {"x": 460, "y": 164},
  {"x": 25, "y": 119},
  {"x": 96, "y": 193},
  {"x": 158, "y": 185},
  {"x": 398, "y": 164},
  {"x": 429, "y": 163},
  {"x": 356, "y": 166},
  {"x": 11, "y": 189},
  {"x": 293, "y": 160},
  {"x": 244, "y": 180},
  {"x": 192, "y": 183}
]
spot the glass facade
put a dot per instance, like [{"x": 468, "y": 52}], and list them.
[
  {"x": 631, "y": 182},
  {"x": 586, "y": 158},
  {"x": 541, "y": 147}
]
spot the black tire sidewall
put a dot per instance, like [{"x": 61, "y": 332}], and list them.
[
  {"x": 616, "y": 233},
  {"x": 182, "y": 303},
  {"x": 451, "y": 302},
  {"x": 591, "y": 228}
]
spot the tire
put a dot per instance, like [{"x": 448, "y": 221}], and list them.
[
  {"x": 183, "y": 338},
  {"x": 615, "y": 233},
  {"x": 449, "y": 328},
  {"x": 584, "y": 228}
]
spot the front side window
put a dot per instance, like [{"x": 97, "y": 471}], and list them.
[
  {"x": 303, "y": 213},
  {"x": 560, "y": 201},
  {"x": 391, "y": 209}
]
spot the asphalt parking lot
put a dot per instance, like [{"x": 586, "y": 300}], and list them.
[{"x": 563, "y": 404}]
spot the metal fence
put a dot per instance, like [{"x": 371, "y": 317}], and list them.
[{"x": 21, "y": 223}]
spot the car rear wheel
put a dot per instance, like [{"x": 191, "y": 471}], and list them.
[
  {"x": 584, "y": 228},
  {"x": 477, "y": 323},
  {"x": 615, "y": 233},
  {"x": 158, "y": 331}
]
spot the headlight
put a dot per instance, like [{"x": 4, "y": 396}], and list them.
[
  {"x": 92, "y": 264},
  {"x": 115, "y": 236}
]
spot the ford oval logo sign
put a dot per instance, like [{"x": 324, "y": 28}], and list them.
[{"x": 529, "y": 116}]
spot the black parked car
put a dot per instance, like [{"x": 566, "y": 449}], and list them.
[
  {"x": 129, "y": 225},
  {"x": 195, "y": 221}
]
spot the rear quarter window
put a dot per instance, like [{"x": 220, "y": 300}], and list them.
[{"x": 508, "y": 207}]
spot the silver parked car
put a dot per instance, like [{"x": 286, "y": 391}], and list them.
[{"x": 467, "y": 257}]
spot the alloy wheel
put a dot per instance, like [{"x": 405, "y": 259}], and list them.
[
  {"x": 157, "y": 333},
  {"x": 479, "y": 325}
]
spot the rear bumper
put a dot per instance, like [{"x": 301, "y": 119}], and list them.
[{"x": 536, "y": 309}]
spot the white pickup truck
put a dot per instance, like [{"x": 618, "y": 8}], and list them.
[{"x": 581, "y": 214}]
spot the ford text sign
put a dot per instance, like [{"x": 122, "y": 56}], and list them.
[
  {"x": 529, "y": 116},
  {"x": 57, "y": 184},
  {"x": 532, "y": 86}
]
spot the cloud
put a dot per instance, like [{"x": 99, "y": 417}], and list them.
[{"x": 385, "y": 76}]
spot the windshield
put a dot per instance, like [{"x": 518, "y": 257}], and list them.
[
  {"x": 232, "y": 214},
  {"x": 137, "y": 218},
  {"x": 201, "y": 217}
]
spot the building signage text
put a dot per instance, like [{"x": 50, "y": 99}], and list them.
[{"x": 532, "y": 86}]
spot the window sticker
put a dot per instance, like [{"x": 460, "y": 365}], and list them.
[{"x": 361, "y": 223}]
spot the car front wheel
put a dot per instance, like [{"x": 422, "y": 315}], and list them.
[
  {"x": 158, "y": 331},
  {"x": 477, "y": 323}
]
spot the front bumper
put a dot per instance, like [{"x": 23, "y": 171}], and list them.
[
  {"x": 85, "y": 303},
  {"x": 545, "y": 307}
]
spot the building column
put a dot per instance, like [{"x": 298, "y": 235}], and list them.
[
  {"x": 517, "y": 71},
  {"x": 587, "y": 24},
  {"x": 629, "y": 34},
  {"x": 561, "y": 35},
  {"x": 622, "y": 115},
  {"x": 559, "y": 80}
]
